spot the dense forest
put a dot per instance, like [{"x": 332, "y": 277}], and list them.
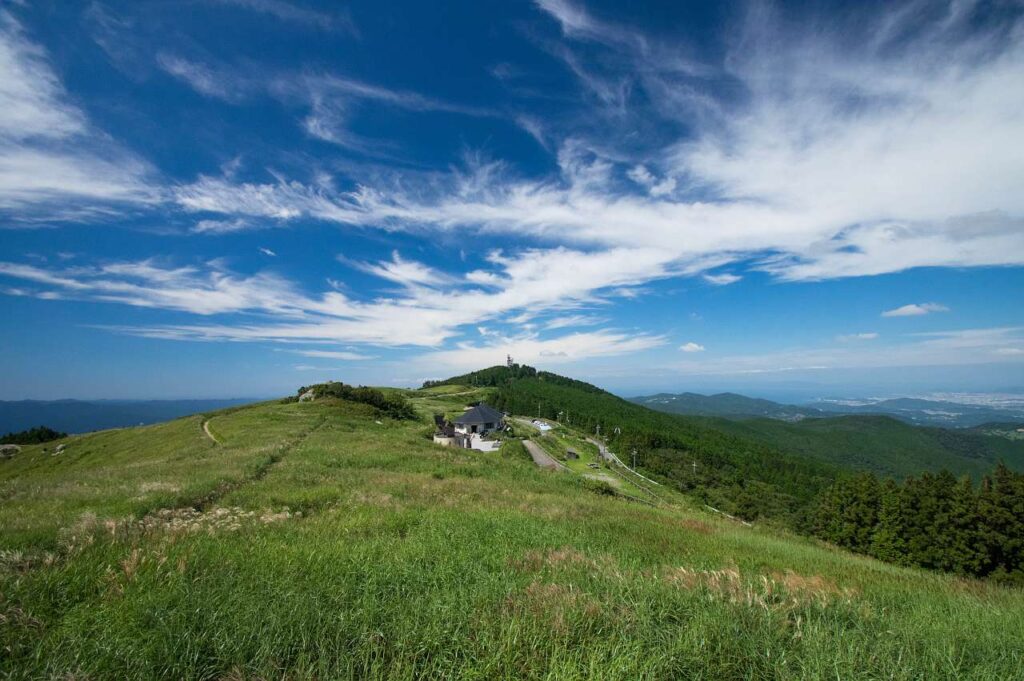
[
  {"x": 32, "y": 436},
  {"x": 881, "y": 444},
  {"x": 393, "y": 405},
  {"x": 932, "y": 521}
]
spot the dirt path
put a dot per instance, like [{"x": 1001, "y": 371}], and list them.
[
  {"x": 542, "y": 458},
  {"x": 206, "y": 429}
]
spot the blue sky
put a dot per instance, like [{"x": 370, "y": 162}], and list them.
[{"x": 215, "y": 198}]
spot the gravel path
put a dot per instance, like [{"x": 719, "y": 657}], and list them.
[{"x": 542, "y": 458}]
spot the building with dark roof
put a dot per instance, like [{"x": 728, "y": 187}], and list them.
[{"x": 482, "y": 418}]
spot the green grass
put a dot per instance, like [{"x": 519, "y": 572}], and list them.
[{"x": 328, "y": 545}]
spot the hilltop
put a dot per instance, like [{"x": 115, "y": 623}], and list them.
[{"x": 323, "y": 539}]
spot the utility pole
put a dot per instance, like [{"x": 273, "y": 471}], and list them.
[
  {"x": 634, "y": 458},
  {"x": 695, "y": 468},
  {"x": 598, "y": 429},
  {"x": 538, "y": 408},
  {"x": 559, "y": 417}
]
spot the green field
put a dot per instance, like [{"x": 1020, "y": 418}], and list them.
[{"x": 320, "y": 540}]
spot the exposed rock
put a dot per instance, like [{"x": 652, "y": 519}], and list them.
[
  {"x": 7, "y": 451},
  {"x": 306, "y": 396}
]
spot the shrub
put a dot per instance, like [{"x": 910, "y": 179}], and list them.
[
  {"x": 32, "y": 436},
  {"x": 392, "y": 405}
]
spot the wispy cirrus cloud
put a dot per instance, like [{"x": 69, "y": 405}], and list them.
[
  {"x": 943, "y": 348},
  {"x": 267, "y": 307},
  {"x": 219, "y": 83},
  {"x": 553, "y": 352},
  {"x": 795, "y": 180},
  {"x": 52, "y": 161},
  {"x": 287, "y": 11},
  {"x": 866, "y": 336},
  {"x": 346, "y": 355},
  {"x": 722, "y": 279},
  {"x": 915, "y": 310}
]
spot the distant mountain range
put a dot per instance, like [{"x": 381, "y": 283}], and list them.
[
  {"x": 80, "y": 416},
  {"x": 915, "y": 411},
  {"x": 729, "y": 405}
]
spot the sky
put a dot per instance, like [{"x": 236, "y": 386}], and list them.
[{"x": 218, "y": 198}]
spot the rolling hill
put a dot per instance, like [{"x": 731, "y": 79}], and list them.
[
  {"x": 740, "y": 475},
  {"x": 882, "y": 444},
  {"x": 325, "y": 540},
  {"x": 724, "y": 404}
]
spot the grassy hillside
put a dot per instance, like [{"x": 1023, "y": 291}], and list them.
[
  {"x": 319, "y": 540},
  {"x": 882, "y": 444},
  {"x": 737, "y": 474}
]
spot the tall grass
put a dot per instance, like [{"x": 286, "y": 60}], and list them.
[{"x": 334, "y": 546}]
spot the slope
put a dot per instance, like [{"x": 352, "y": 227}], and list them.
[
  {"x": 882, "y": 444},
  {"x": 321, "y": 540},
  {"x": 738, "y": 475}
]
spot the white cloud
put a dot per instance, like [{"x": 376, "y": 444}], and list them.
[
  {"x": 405, "y": 272},
  {"x": 331, "y": 354},
  {"x": 267, "y": 252},
  {"x": 723, "y": 279},
  {"x": 858, "y": 337},
  {"x": 277, "y": 310},
  {"x": 204, "y": 79},
  {"x": 945, "y": 348},
  {"x": 222, "y": 226},
  {"x": 574, "y": 321},
  {"x": 794, "y": 179},
  {"x": 285, "y": 11},
  {"x": 563, "y": 350},
  {"x": 691, "y": 347},
  {"x": 52, "y": 162},
  {"x": 577, "y": 23},
  {"x": 915, "y": 310}
]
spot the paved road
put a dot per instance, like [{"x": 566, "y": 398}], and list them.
[{"x": 542, "y": 458}]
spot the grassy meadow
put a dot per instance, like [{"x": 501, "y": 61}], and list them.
[{"x": 321, "y": 541}]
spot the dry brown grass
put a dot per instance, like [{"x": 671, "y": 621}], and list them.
[
  {"x": 567, "y": 557},
  {"x": 698, "y": 526},
  {"x": 558, "y": 605},
  {"x": 779, "y": 590}
]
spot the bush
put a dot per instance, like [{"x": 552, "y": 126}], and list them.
[
  {"x": 394, "y": 406},
  {"x": 33, "y": 436}
]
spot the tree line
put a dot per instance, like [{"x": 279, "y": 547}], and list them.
[
  {"x": 32, "y": 436},
  {"x": 390, "y": 404},
  {"x": 934, "y": 521}
]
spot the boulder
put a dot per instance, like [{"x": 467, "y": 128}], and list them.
[{"x": 7, "y": 451}]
